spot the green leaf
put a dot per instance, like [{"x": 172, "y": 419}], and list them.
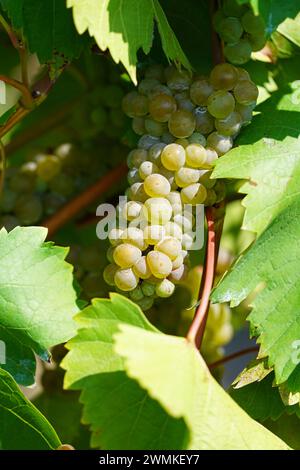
[
  {"x": 291, "y": 29},
  {"x": 5, "y": 116},
  {"x": 268, "y": 157},
  {"x": 37, "y": 299},
  {"x": 14, "y": 10},
  {"x": 174, "y": 373},
  {"x": 23, "y": 427},
  {"x": 120, "y": 413},
  {"x": 271, "y": 262},
  {"x": 287, "y": 428},
  {"x": 126, "y": 27}
]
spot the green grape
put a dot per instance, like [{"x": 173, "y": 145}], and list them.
[
  {"x": 136, "y": 157},
  {"x": 148, "y": 288},
  {"x": 28, "y": 209},
  {"x": 224, "y": 77},
  {"x": 170, "y": 246},
  {"x": 146, "y": 169},
  {"x": 197, "y": 138},
  {"x": 126, "y": 255},
  {"x": 135, "y": 105},
  {"x": 183, "y": 102},
  {"x": 186, "y": 176},
  {"x": 146, "y": 303},
  {"x": 153, "y": 234},
  {"x": 62, "y": 184},
  {"x": 135, "y": 236},
  {"x": 238, "y": 53},
  {"x": 126, "y": 280},
  {"x": 185, "y": 221},
  {"x": 132, "y": 210},
  {"x": 217, "y": 19},
  {"x": 9, "y": 222},
  {"x": 211, "y": 156},
  {"x": 114, "y": 236},
  {"x": 136, "y": 294},
  {"x": 200, "y": 91},
  {"x": 141, "y": 268},
  {"x": 173, "y": 230},
  {"x": 157, "y": 185},
  {"x": 160, "y": 90},
  {"x": 147, "y": 141},
  {"x": 158, "y": 210},
  {"x": 204, "y": 121},
  {"x": 220, "y": 104},
  {"x": 178, "y": 261},
  {"x": 170, "y": 175},
  {"x": 99, "y": 118},
  {"x": 257, "y": 41},
  {"x": 48, "y": 166},
  {"x": 175, "y": 200},
  {"x": 161, "y": 107},
  {"x": 8, "y": 200},
  {"x": 233, "y": 8},
  {"x": 154, "y": 153},
  {"x": 165, "y": 288},
  {"x": 146, "y": 86},
  {"x": 68, "y": 155},
  {"x": 211, "y": 198},
  {"x": 193, "y": 194},
  {"x": 155, "y": 71},
  {"x": 245, "y": 112},
  {"x": 137, "y": 192},
  {"x": 242, "y": 74},
  {"x": 22, "y": 183},
  {"x": 206, "y": 179},
  {"x": 178, "y": 80},
  {"x": 138, "y": 125},
  {"x": 133, "y": 176},
  {"x": 91, "y": 285},
  {"x": 245, "y": 92},
  {"x": 160, "y": 264},
  {"x": 173, "y": 157},
  {"x": 188, "y": 238},
  {"x": 253, "y": 24},
  {"x": 178, "y": 275},
  {"x": 182, "y": 123},
  {"x": 220, "y": 190},
  {"x": 154, "y": 128},
  {"x": 167, "y": 138},
  {"x": 110, "y": 254},
  {"x": 195, "y": 155},
  {"x": 230, "y": 29},
  {"x": 231, "y": 125},
  {"x": 220, "y": 143},
  {"x": 183, "y": 142}
]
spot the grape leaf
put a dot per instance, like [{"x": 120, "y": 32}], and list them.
[
  {"x": 120, "y": 413},
  {"x": 125, "y": 27},
  {"x": 291, "y": 29},
  {"x": 287, "y": 427},
  {"x": 268, "y": 157},
  {"x": 173, "y": 372},
  {"x": 272, "y": 261},
  {"x": 23, "y": 427},
  {"x": 37, "y": 299}
]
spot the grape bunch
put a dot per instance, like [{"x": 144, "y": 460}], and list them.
[
  {"x": 241, "y": 31},
  {"x": 184, "y": 124}
]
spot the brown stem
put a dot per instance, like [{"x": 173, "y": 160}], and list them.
[
  {"x": 87, "y": 197},
  {"x": 195, "y": 333},
  {"x": 24, "y": 64},
  {"x": 232, "y": 356},
  {"x": 2, "y": 165},
  {"x": 9, "y": 31},
  {"x": 26, "y": 94},
  {"x": 13, "y": 120}
]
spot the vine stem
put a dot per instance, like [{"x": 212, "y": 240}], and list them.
[
  {"x": 26, "y": 94},
  {"x": 2, "y": 165},
  {"x": 196, "y": 331},
  {"x": 83, "y": 200},
  {"x": 232, "y": 356}
]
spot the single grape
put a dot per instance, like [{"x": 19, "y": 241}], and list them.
[
  {"x": 211, "y": 156},
  {"x": 154, "y": 153},
  {"x": 154, "y": 128},
  {"x": 183, "y": 102},
  {"x": 186, "y": 176},
  {"x": 160, "y": 90},
  {"x": 114, "y": 236},
  {"x": 131, "y": 210},
  {"x": 245, "y": 112},
  {"x": 224, "y": 77},
  {"x": 242, "y": 74},
  {"x": 146, "y": 86},
  {"x": 137, "y": 192},
  {"x": 160, "y": 264},
  {"x": 48, "y": 166},
  {"x": 173, "y": 230},
  {"x": 135, "y": 236},
  {"x": 206, "y": 179},
  {"x": 185, "y": 221},
  {"x": 147, "y": 168},
  {"x": 245, "y": 92},
  {"x": 157, "y": 185},
  {"x": 211, "y": 198},
  {"x": 231, "y": 125},
  {"x": 175, "y": 200},
  {"x": 136, "y": 294},
  {"x": 178, "y": 275},
  {"x": 161, "y": 107},
  {"x": 138, "y": 125},
  {"x": 141, "y": 268},
  {"x": 188, "y": 240},
  {"x": 239, "y": 52},
  {"x": 173, "y": 157},
  {"x": 178, "y": 80},
  {"x": 253, "y": 24},
  {"x": 193, "y": 194},
  {"x": 158, "y": 210},
  {"x": 220, "y": 104},
  {"x": 195, "y": 155},
  {"x": 257, "y": 41},
  {"x": 167, "y": 138},
  {"x": 183, "y": 142},
  {"x": 117, "y": 118},
  {"x": 220, "y": 190},
  {"x": 204, "y": 120},
  {"x": 165, "y": 288},
  {"x": 28, "y": 209},
  {"x": 134, "y": 104},
  {"x": 126, "y": 280},
  {"x": 200, "y": 91},
  {"x": 133, "y": 176},
  {"x": 170, "y": 246},
  {"x": 197, "y": 138},
  {"x": 148, "y": 288},
  {"x": 136, "y": 157},
  {"x": 220, "y": 143},
  {"x": 182, "y": 123},
  {"x": 110, "y": 253},
  {"x": 147, "y": 141},
  {"x": 22, "y": 183},
  {"x": 153, "y": 234},
  {"x": 126, "y": 255},
  {"x": 99, "y": 118},
  {"x": 230, "y": 29},
  {"x": 146, "y": 303}
]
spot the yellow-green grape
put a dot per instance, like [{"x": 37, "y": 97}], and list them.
[
  {"x": 183, "y": 102},
  {"x": 165, "y": 288},
  {"x": 135, "y": 105},
  {"x": 231, "y": 125},
  {"x": 220, "y": 143},
  {"x": 178, "y": 275},
  {"x": 153, "y": 234},
  {"x": 135, "y": 236},
  {"x": 155, "y": 71},
  {"x": 160, "y": 90},
  {"x": 136, "y": 294},
  {"x": 146, "y": 86},
  {"x": 178, "y": 80},
  {"x": 146, "y": 303},
  {"x": 126, "y": 255},
  {"x": 141, "y": 268},
  {"x": 146, "y": 141},
  {"x": 137, "y": 192},
  {"x": 238, "y": 53},
  {"x": 158, "y": 210},
  {"x": 161, "y": 107},
  {"x": 183, "y": 142},
  {"x": 131, "y": 210},
  {"x": 167, "y": 138},
  {"x": 206, "y": 179},
  {"x": 173, "y": 157},
  {"x": 136, "y": 157},
  {"x": 28, "y": 209},
  {"x": 188, "y": 240},
  {"x": 193, "y": 194},
  {"x": 148, "y": 288},
  {"x": 173, "y": 230},
  {"x": 182, "y": 123},
  {"x": 220, "y": 190},
  {"x": 170, "y": 177},
  {"x": 109, "y": 274},
  {"x": 257, "y": 42},
  {"x": 245, "y": 112},
  {"x": 233, "y": 8},
  {"x": 48, "y": 166},
  {"x": 224, "y": 77},
  {"x": 185, "y": 221},
  {"x": 197, "y": 138},
  {"x": 211, "y": 198},
  {"x": 175, "y": 200},
  {"x": 160, "y": 264},
  {"x": 125, "y": 279},
  {"x": 146, "y": 169},
  {"x": 109, "y": 254},
  {"x": 230, "y": 29},
  {"x": 195, "y": 155},
  {"x": 242, "y": 74},
  {"x": 170, "y": 246},
  {"x": 211, "y": 156},
  {"x": 138, "y": 125},
  {"x": 245, "y": 92},
  {"x": 157, "y": 185},
  {"x": 220, "y": 104},
  {"x": 253, "y": 24},
  {"x": 114, "y": 236},
  {"x": 154, "y": 128},
  {"x": 200, "y": 91},
  {"x": 186, "y": 176},
  {"x": 204, "y": 121},
  {"x": 133, "y": 176},
  {"x": 154, "y": 153},
  {"x": 177, "y": 262}
]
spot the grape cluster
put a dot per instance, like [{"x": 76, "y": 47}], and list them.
[
  {"x": 241, "y": 31},
  {"x": 184, "y": 124}
]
